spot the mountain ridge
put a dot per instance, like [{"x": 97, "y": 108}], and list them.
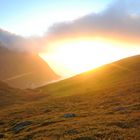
[{"x": 24, "y": 70}]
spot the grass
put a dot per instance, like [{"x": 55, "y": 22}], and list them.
[{"x": 105, "y": 101}]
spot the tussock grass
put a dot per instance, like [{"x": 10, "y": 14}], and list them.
[{"x": 105, "y": 101}]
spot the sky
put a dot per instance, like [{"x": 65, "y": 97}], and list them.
[
  {"x": 33, "y": 17},
  {"x": 72, "y": 36}
]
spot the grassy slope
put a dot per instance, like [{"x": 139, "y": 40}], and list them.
[
  {"x": 106, "y": 102},
  {"x": 115, "y": 75},
  {"x": 10, "y": 97}
]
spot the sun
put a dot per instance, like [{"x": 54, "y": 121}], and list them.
[{"x": 74, "y": 57}]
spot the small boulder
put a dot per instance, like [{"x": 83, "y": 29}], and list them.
[
  {"x": 1, "y": 135},
  {"x": 69, "y": 115},
  {"x": 20, "y": 126},
  {"x": 71, "y": 132}
]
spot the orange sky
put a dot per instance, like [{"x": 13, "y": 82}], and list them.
[{"x": 68, "y": 57}]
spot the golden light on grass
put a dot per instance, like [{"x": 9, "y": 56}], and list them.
[{"x": 68, "y": 58}]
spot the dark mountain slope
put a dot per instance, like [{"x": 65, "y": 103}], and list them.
[{"x": 24, "y": 70}]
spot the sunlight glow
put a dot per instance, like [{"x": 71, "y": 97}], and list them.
[{"x": 70, "y": 58}]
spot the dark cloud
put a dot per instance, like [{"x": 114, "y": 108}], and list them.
[
  {"x": 18, "y": 43},
  {"x": 12, "y": 41}
]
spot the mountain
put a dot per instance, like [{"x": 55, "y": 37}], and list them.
[
  {"x": 103, "y": 103},
  {"x": 24, "y": 70}
]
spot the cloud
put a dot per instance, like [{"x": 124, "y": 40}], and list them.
[
  {"x": 18, "y": 43},
  {"x": 120, "y": 21},
  {"x": 13, "y": 41}
]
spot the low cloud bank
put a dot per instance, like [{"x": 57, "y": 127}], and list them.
[{"x": 120, "y": 21}]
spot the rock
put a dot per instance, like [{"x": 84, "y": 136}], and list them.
[
  {"x": 71, "y": 132},
  {"x": 20, "y": 126},
  {"x": 69, "y": 115},
  {"x": 1, "y": 135}
]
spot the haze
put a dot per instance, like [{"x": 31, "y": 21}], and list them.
[{"x": 72, "y": 36}]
